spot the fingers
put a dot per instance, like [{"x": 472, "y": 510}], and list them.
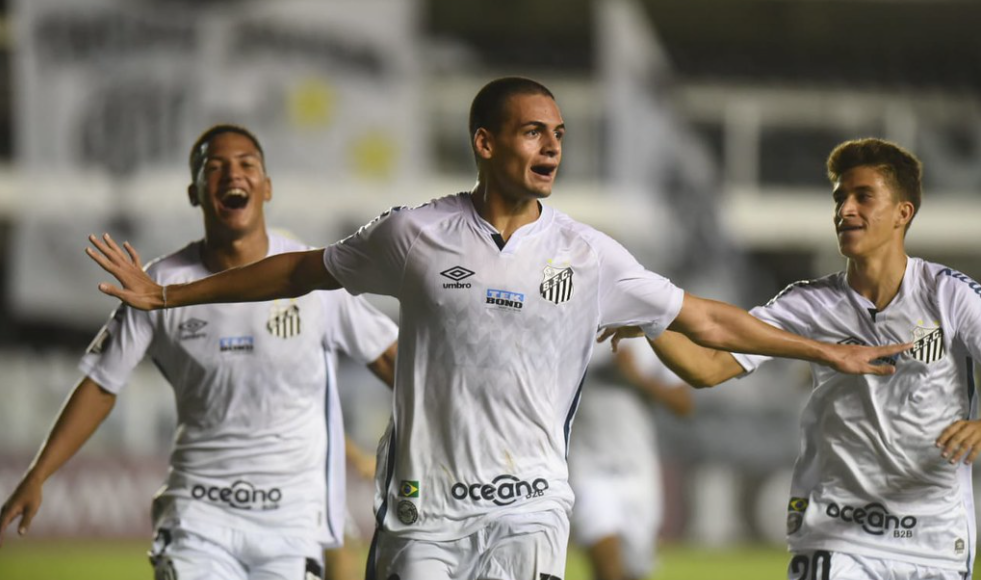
[
  {"x": 133, "y": 254},
  {"x": 961, "y": 441},
  {"x": 605, "y": 334}
]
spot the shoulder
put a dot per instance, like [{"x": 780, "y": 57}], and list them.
[
  {"x": 827, "y": 289},
  {"x": 281, "y": 241},
  {"x": 416, "y": 218},
  {"x": 944, "y": 279},
  {"x": 572, "y": 229},
  {"x": 174, "y": 264}
]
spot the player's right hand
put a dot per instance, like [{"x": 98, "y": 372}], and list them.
[
  {"x": 138, "y": 290},
  {"x": 866, "y": 360},
  {"x": 24, "y": 502},
  {"x": 617, "y": 334}
]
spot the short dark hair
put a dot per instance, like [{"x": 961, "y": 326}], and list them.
[
  {"x": 487, "y": 109},
  {"x": 196, "y": 159},
  {"x": 899, "y": 166}
]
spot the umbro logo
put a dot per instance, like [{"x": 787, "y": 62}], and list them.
[
  {"x": 458, "y": 274},
  {"x": 191, "y": 328}
]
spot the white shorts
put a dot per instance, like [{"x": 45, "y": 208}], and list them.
[
  {"x": 627, "y": 507},
  {"x": 526, "y": 545},
  {"x": 824, "y": 565},
  {"x": 228, "y": 554}
]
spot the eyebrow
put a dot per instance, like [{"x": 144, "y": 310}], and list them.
[{"x": 541, "y": 125}]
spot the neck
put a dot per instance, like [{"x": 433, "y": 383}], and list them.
[
  {"x": 221, "y": 252},
  {"x": 877, "y": 278},
  {"x": 504, "y": 213}
]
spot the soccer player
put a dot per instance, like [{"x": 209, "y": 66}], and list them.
[
  {"x": 255, "y": 487},
  {"x": 872, "y": 497},
  {"x": 614, "y": 466},
  {"x": 501, "y": 296}
]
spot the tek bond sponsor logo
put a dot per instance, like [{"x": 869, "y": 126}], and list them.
[
  {"x": 241, "y": 344},
  {"x": 240, "y": 495},
  {"x": 505, "y": 299},
  {"x": 874, "y": 519},
  {"x": 503, "y": 490}
]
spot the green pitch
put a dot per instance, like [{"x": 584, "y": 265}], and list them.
[{"x": 126, "y": 560}]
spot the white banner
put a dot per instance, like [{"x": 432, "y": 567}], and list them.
[{"x": 329, "y": 87}]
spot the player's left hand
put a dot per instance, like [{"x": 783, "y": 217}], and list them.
[{"x": 961, "y": 441}]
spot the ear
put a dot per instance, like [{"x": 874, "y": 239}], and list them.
[
  {"x": 192, "y": 195},
  {"x": 483, "y": 143},
  {"x": 267, "y": 195},
  {"x": 906, "y": 213}
]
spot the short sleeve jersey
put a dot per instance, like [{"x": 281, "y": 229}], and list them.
[
  {"x": 493, "y": 344},
  {"x": 869, "y": 479},
  {"x": 260, "y": 441}
]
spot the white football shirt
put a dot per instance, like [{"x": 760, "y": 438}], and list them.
[
  {"x": 493, "y": 345},
  {"x": 869, "y": 479},
  {"x": 260, "y": 439}
]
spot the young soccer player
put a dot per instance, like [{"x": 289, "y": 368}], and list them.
[
  {"x": 256, "y": 481},
  {"x": 501, "y": 297},
  {"x": 872, "y": 495}
]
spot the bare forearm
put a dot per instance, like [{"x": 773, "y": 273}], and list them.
[
  {"x": 721, "y": 326},
  {"x": 697, "y": 365},
  {"x": 280, "y": 276},
  {"x": 84, "y": 411}
]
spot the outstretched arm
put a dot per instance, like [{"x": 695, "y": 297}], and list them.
[
  {"x": 86, "y": 408},
  {"x": 384, "y": 366},
  {"x": 281, "y": 276},
  {"x": 721, "y": 326}
]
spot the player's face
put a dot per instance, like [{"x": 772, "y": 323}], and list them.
[
  {"x": 524, "y": 155},
  {"x": 869, "y": 217},
  {"x": 232, "y": 185}
]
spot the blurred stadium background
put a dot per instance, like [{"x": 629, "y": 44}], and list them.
[{"x": 697, "y": 135}]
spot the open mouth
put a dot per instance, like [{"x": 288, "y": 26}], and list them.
[
  {"x": 234, "y": 199},
  {"x": 544, "y": 170}
]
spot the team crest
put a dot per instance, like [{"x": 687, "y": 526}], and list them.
[
  {"x": 557, "y": 286},
  {"x": 284, "y": 322},
  {"x": 928, "y": 344}
]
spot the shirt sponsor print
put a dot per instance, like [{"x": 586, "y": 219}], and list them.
[
  {"x": 503, "y": 490},
  {"x": 240, "y": 495},
  {"x": 505, "y": 299},
  {"x": 236, "y": 344},
  {"x": 874, "y": 519}
]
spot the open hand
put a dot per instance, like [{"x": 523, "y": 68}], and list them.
[
  {"x": 866, "y": 360},
  {"x": 138, "y": 290}
]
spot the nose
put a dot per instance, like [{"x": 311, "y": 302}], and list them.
[
  {"x": 552, "y": 146},
  {"x": 846, "y": 207}
]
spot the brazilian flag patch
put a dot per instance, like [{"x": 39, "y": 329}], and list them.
[
  {"x": 797, "y": 504},
  {"x": 409, "y": 488}
]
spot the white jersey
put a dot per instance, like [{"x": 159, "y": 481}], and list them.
[
  {"x": 869, "y": 479},
  {"x": 260, "y": 440},
  {"x": 493, "y": 344}
]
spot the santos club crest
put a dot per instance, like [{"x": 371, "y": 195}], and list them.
[
  {"x": 557, "y": 286},
  {"x": 928, "y": 344}
]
